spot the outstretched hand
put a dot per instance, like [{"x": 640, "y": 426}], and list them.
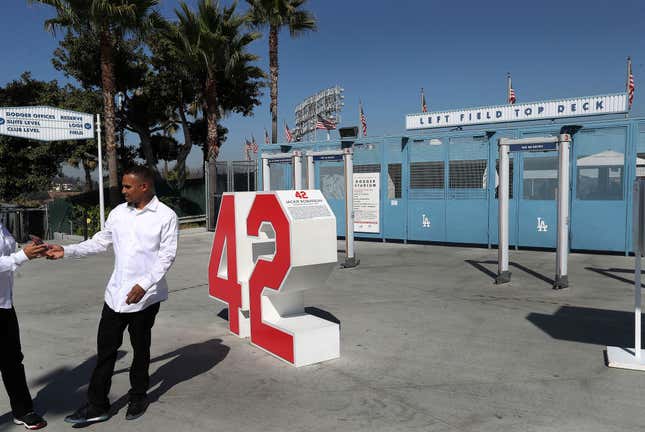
[
  {"x": 55, "y": 252},
  {"x": 135, "y": 294},
  {"x": 33, "y": 250}
]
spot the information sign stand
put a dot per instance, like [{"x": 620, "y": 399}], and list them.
[{"x": 634, "y": 358}]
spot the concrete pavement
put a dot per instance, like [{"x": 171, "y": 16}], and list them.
[{"x": 428, "y": 343}]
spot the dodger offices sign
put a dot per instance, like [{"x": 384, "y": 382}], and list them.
[
  {"x": 584, "y": 106},
  {"x": 45, "y": 123}
]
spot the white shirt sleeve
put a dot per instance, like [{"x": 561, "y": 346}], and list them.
[
  {"x": 97, "y": 244},
  {"x": 165, "y": 256},
  {"x": 11, "y": 262}
]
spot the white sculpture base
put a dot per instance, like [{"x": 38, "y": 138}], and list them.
[
  {"x": 624, "y": 358},
  {"x": 315, "y": 340}
]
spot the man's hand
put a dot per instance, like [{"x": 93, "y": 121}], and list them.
[
  {"x": 33, "y": 250},
  {"x": 54, "y": 252},
  {"x": 135, "y": 294}
]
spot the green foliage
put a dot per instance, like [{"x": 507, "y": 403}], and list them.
[
  {"x": 79, "y": 56},
  {"x": 210, "y": 46},
  {"x": 90, "y": 215},
  {"x": 282, "y": 13}
]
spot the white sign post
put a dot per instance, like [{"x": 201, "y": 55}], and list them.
[
  {"x": 633, "y": 358},
  {"x": 43, "y": 123}
]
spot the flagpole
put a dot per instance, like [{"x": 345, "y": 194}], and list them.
[
  {"x": 508, "y": 87},
  {"x": 629, "y": 64},
  {"x": 629, "y": 70}
]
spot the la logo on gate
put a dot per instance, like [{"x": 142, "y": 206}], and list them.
[
  {"x": 541, "y": 225},
  {"x": 425, "y": 221},
  {"x": 261, "y": 263}
]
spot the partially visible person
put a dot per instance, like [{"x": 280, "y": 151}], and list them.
[
  {"x": 143, "y": 232},
  {"x": 13, "y": 371}
]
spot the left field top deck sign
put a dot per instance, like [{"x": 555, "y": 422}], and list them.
[{"x": 44, "y": 123}]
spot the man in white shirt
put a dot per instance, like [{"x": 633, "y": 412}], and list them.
[
  {"x": 11, "y": 367},
  {"x": 143, "y": 232}
]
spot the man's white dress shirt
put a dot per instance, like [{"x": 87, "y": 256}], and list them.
[
  {"x": 145, "y": 244},
  {"x": 9, "y": 262}
]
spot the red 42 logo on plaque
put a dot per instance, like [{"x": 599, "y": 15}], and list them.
[{"x": 268, "y": 249}]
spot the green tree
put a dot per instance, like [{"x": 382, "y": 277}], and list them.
[
  {"x": 276, "y": 15},
  {"x": 211, "y": 47},
  {"x": 108, "y": 22},
  {"x": 84, "y": 153},
  {"x": 28, "y": 166}
]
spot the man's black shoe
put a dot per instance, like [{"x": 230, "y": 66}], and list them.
[
  {"x": 31, "y": 421},
  {"x": 87, "y": 414},
  {"x": 136, "y": 408}
]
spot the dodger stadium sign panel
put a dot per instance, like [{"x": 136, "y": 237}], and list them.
[
  {"x": 45, "y": 123},
  {"x": 585, "y": 106}
]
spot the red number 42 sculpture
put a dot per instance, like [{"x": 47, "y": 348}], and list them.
[{"x": 269, "y": 248}]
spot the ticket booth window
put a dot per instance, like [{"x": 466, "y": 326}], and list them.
[
  {"x": 600, "y": 176},
  {"x": 540, "y": 178}
]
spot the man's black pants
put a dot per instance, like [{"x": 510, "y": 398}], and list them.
[
  {"x": 109, "y": 340},
  {"x": 13, "y": 372}
]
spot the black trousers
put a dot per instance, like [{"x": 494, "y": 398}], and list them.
[
  {"x": 109, "y": 340},
  {"x": 13, "y": 372}
]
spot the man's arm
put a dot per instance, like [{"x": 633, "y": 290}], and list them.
[
  {"x": 97, "y": 244},
  {"x": 165, "y": 258},
  {"x": 12, "y": 262}
]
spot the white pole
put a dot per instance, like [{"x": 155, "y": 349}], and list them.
[
  {"x": 266, "y": 175},
  {"x": 562, "y": 251},
  {"x": 638, "y": 220},
  {"x": 100, "y": 154},
  {"x": 637, "y": 307},
  {"x": 297, "y": 170},
  {"x": 350, "y": 259},
  {"x": 503, "y": 275},
  {"x": 310, "y": 172},
  {"x": 207, "y": 195}
]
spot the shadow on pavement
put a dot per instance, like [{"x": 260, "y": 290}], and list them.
[
  {"x": 479, "y": 266},
  {"x": 610, "y": 274},
  {"x": 587, "y": 325},
  {"x": 185, "y": 364},
  {"x": 64, "y": 390}
]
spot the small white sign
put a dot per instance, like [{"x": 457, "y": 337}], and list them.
[
  {"x": 571, "y": 107},
  {"x": 46, "y": 123},
  {"x": 366, "y": 202}
]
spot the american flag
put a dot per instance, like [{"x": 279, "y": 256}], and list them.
[
  {"x": 287, "y": 133},
  {"x": 323, "y": 123},
  {"x": 424, "y": 106},
  {"x": 363, "y": 120},
  {"x": 254, "y": 145},
  {"x": 630, "y": 83},
  {"x": 511, "y": 91},
  {"x": 266, "y": 137}
]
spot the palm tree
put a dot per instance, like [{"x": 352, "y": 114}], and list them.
[
  {"x": 211, "y": 45},
  {"x": 277, "y": 14},
  {"x": 107, "y": 20}
]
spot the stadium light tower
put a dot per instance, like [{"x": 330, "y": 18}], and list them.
[{"x": 327, "y": 103}]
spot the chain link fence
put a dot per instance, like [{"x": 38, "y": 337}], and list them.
[{"x": 227, "y": 176}]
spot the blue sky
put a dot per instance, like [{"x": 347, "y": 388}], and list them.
[{"x": 383, "y": 52}]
